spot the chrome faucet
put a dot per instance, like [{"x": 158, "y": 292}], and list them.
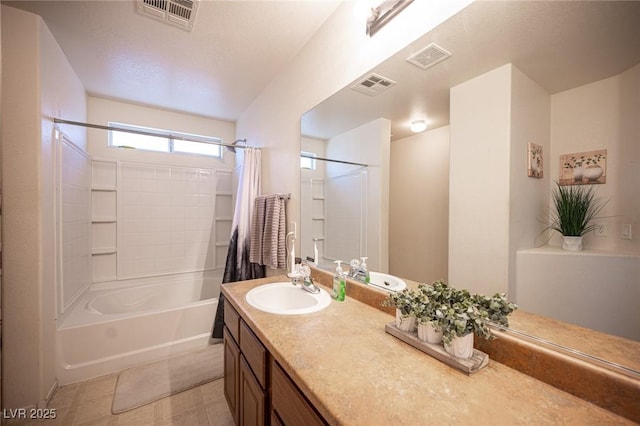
[
  {"x": 358, "y": 270},
  {"x": 305, "y": 280},
  {"x": 354, "y": 265}
]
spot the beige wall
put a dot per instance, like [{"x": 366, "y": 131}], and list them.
[
  {"x": 419, "y": 206},
  {"x": 39, "y": 84},
  {"x": 604, "y": 115},
  {"x": 528, "y": 196},
  {"x": 337, "y": 54},
  {"x": 493, "y": 117},
  {"x": 494, "y": 206},
  {"x": 479, "y": 182}
]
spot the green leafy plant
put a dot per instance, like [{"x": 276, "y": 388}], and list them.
[
  {"x": 574, "y": 208},
  {"x": 461, "y": 317},
  {"x": 497, "y": 307},
  {"x": 454, "y": 312},
  {"x": 430, "y": 298},
  {"x": 406, "y": 301}
]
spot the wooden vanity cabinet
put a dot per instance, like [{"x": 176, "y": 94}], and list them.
[
  {"x": 232, "y": 374},
  {"x": 259, "y": 392},
  {"x": 288, "y": 405},
  {"x": 246, "y": 361}
]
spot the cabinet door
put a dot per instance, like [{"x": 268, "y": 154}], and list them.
[
  {"x": 289, "y": 406},
  {"x": 252, "y": 397},
  {"x": 232, "y": 375}
]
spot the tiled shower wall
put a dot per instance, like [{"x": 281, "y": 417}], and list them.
[
  {"x": 171, "y": 219},
  {"x": 74, "y": 224}
]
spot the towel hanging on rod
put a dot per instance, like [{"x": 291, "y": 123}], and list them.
[
  {"x": 232, "y": 147},
  {"x": 268, "y": 231}
]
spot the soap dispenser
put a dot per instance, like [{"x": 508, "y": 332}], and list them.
[
  {"x": 364, "y": 269},
  {"x": 339, "y": 283}
]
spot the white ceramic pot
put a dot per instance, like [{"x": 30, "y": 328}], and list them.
[
  {"x": 461, "y": 347},
  {"x": 578, "y": 173},
  {"x": 571, "y": 243},
  {"x": 405, "y": 323},
  {"x": 592, "y": 173},
  {"x": 428, "y": 333}
]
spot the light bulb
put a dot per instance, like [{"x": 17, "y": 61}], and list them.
[{"x": 418, "y": 126}]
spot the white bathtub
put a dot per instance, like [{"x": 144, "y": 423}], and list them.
[{"x": 117, "y": 325}]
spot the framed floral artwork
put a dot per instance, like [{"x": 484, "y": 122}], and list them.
[
  {"x": 583, "y": 168},
  {"x": 535, "y": 161}
]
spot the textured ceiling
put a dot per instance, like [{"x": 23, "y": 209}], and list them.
[{"x": 216, "y": 70}]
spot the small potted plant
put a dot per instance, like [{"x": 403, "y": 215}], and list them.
[
  {"x": 449, "y": 315},
  {"x": 467, "y": 315},
  {"x": 574, "y": 209},
  {"x": 459, "y": 321},
  {"x": 498, "y": 308},
  {"x": 431, "y": 298},
  {"x": 405, "y": 302}
]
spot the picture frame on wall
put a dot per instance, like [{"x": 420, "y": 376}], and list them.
[
  {"x": 583, "y": 168},
  {"x": 535, "y": 163}
]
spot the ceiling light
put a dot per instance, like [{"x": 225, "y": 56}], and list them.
[{"x": 418, "y": 126}]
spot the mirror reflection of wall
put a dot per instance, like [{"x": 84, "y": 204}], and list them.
[
  {"x": 344, "y": 207},
  {"x": 419, "y": 206},
  {"x": 461, "y": 205}
]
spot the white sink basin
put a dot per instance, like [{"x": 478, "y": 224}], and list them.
[
  {"x": 286, "y": 299},
  {"x": 386, "y": 281}
]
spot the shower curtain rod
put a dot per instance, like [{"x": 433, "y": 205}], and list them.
[
  {"x": 142, "y": 132},
  {"x": 333, "y": 161}
]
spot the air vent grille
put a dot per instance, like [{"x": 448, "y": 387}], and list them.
[
  {"x": 179, "y": 13},
  {"x": 429, "y": 56},
  {"x": 373, "y": 84}
]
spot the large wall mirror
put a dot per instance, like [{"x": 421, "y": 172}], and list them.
[{"x": 399, "y": 204}]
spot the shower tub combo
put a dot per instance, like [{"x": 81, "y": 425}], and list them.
[{"x": 116, "y": 325}]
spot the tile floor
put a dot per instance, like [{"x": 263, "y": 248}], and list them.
[{"x": 89, "y": 403}]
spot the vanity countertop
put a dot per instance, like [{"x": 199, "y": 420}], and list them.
[{"x": 355, "y": 373}]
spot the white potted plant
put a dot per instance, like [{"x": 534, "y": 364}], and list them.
[
  {"x": 431, "y": 298},
  {"x": 466, "y": 315},
  {"x": 448, "y": 315},
  {"x": 405, "y": 302},
  {"x": 574, "y": 209}
]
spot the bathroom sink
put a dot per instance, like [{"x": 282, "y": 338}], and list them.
[
  {"x": 386, "y": 281},
  {"x": 286, "y": 299}
]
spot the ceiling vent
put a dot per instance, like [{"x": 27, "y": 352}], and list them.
[
  {"x": 179, "y": 13},
  {"x": 429, "y": 56},
  {"x": 373, "y": 84}
]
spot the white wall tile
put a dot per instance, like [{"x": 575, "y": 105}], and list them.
[{"x": 165, "y": 218}]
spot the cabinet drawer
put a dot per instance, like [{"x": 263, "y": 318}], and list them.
[
  {"x": 254, "y": 352},
  {"x": 232, "y": 320},
  {"x": 290, "y": 406}
]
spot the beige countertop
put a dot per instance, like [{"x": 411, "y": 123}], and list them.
[{"x": 355, "y": 373}]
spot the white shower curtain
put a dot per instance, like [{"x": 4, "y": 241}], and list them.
[
  {"x": 238, "y": 267},
  {"x": 249, "y": 187}
]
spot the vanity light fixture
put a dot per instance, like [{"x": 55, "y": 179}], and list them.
[
  {"x": 418, "y": 126},
  {"x": 384, "y": 12}
]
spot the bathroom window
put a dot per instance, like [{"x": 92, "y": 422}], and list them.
[
  {"x": 198, "y": 144},
  {"x": 306, "y": 162}
]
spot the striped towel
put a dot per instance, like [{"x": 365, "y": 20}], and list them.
[{"x": 268, "y": 232}]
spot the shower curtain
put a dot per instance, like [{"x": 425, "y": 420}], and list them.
[{"x": 238, "y": 267}]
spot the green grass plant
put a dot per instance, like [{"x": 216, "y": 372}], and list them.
[{"x": 575, "y": 207}]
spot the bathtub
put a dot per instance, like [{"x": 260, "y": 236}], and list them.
[{"x": 117, "y": 325}]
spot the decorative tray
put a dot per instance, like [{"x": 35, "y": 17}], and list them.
[{"x": 468, "y": 366}]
